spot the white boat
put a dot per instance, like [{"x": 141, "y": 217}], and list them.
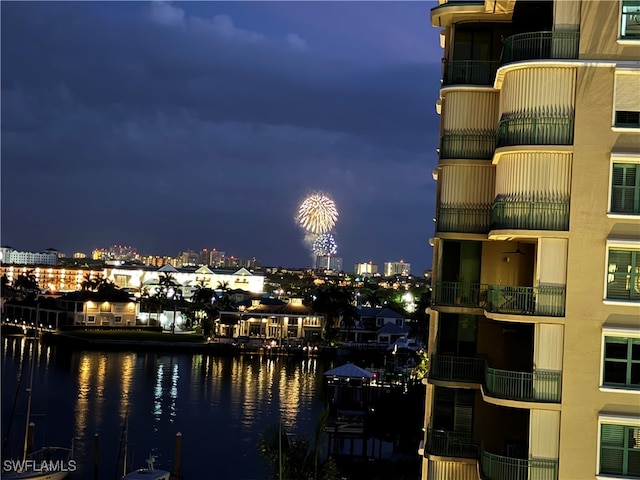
[{"x": 149, "y": 473}]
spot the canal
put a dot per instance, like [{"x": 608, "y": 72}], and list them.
[{"x": 220, "y": 405}]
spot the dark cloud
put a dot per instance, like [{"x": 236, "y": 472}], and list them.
[{"x": 124, "y": 119}]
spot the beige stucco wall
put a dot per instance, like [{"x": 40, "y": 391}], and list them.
[
  {"x": 586, "y": 312},
  {"x": 599, "y": 31}
]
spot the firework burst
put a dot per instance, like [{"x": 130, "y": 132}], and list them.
[
  {"x": 325, "y": 245},
  {"x": 317, "y": 213}
]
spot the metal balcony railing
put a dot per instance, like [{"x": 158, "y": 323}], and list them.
[
  {"x": 497, "y": 467},
  {"x": 542, "y": 130},
  {"x": 467, "y": 146},
  {"x": 544, "y": 300},
  {"x": 539, "y": 386},
  {"x": 530, "y": 215},
  {"x": 451, "y": 444},
  {"x": 458, "y": 294},
  {"x": 470, "y": 72},
  {"x": 456, "y": 369},
  {"x": 464, "y": 220},
  {"x": 540, "y": 46}
]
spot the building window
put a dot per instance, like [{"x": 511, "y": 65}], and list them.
[
  {"x": 626, "y": 119},
  {"x": 625, "y": 188},
  {"x": 623, "y": 274},
  {"x": 621, "y": 362},
  {"x": 620, "y": 450},
  {"x": 91, "y": 319},
  {"x": 117, "y": 319},
  {"x": 630, "y": 22}
]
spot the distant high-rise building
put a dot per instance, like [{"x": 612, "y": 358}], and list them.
[
  {"x": 79, "y": 255},
  {"x": 188, "y": 258},
  {"x": 365, "y": 269},
  {"x": 328, "y": 262},
  {"x": 115, "y": 252},
  {"x": 216, "y": 258},
  {"x": 396, "y": 268}
]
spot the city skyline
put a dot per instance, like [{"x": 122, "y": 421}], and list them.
[{"x": 214, "y": 120}]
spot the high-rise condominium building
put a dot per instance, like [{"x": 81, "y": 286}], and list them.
[
  {"x": 396, "y": 268},
  {"x": 534, "y": 335},
  {"x": 365, "y": 269}
]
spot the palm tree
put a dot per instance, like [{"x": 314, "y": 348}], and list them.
[
  {"x": 330, "y": 301},
  {"x": 88, "y": 284},
  {"x": 27, "y": 284},
  {"x": 293, "y": 458}
]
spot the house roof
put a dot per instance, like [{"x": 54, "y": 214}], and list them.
[
  {"x": 393, "y": 329},
  {"x": 118, "y": 296},
  {"x": 168, "y": 268},
  {"x": 378, "y": 312},
  {"x": 348, "y": 370}
]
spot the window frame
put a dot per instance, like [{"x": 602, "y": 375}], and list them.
[
  {"x": 620, "y": 163},
  {"x": 621, "y": 36},
  {"x": 630, "y": 334},
  {"x": 630, "y": 420},
  {"x": 625, "y": 245},
  {"x": 619, "y": 158}
]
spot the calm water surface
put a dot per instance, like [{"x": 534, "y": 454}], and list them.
[{"x": 219, "y": 404}]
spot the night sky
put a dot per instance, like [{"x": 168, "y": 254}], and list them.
[{"x": 170, "y": 126}]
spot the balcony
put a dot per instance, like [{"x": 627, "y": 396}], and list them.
[
  {"x": 497, "y": 467},
  {"x": 472, "y": 145},
  {"x": 544, "y": 300},
  {"x": 458, "y": 294},
  {"x": 539, "y": 386},
  {"x": 456, "y": 369},
  {"x": 451, "y": 444},
  {"x": 530, "y": 216},
  {"x": 542, "y": 130},
  {"x": 469, "y": 72},
  {"x": 464, "y": 220},
  {"x": 540, "y": 46}
]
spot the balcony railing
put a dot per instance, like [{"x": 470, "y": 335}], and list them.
[
  {"x": 457, "y": 294},
  {"x": 467, "y": 146},
  {"x": 497, "y": 467},
  {"x": 456, "y": 369},
  {"x": 451, "y": 444},
  {"x": 539, "y": 386},
  {"x": 530, "y": 215},
  {"x": 544, "y": 300},
  {"x": 542, "y": 130},
  {"x": 464, "y": 220},
  {"x": 540, "y": 46},
  {"x": 470, "y": 72}
]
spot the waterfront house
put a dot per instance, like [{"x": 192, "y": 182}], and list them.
[
  {"x": 370, "y": 325},
  {"x": 93, "y": 309},
  {"x": 273, "y": 318}
]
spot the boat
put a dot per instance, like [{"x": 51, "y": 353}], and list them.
[
  {"x": 48, "y": 463},
  {"x": 148, "y": 473}
]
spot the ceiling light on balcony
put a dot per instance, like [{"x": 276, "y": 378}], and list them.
[{"x": 434, "y": 174}]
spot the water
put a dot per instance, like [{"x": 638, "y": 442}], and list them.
[{"x": 219, "y": 404}]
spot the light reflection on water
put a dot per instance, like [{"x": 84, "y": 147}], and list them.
[{"x": 219, "y": 404}]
